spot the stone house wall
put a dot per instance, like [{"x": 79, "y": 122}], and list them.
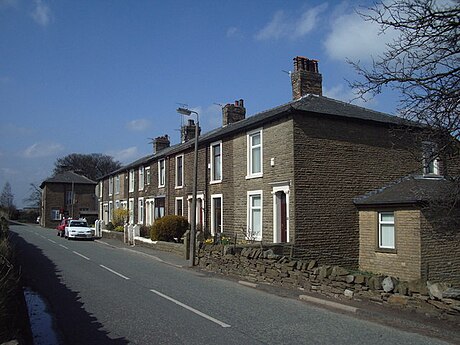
[
  {"x": 405, "y": 262},
  {"x": 55, "y": 199},
  {"x": 277, "y": 144},
  {"x": 440, "y": 250},
  {"x": 336, "y": 161}
]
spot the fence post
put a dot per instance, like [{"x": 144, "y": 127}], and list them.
[{"x": 187, "y": 244}]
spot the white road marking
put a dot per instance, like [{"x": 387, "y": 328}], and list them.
[
  {"x": 63, "y": 246},
  {"x": 193, "y": 310},
  {"x": 84, "y": 257},
  {"x": 114, "y": 272},
  {"x": 51, "y": 241}
]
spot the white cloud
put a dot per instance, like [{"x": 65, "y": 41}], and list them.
[
  {"x": 42, "y": 149},
  {"x": 233, "y": 32},
  {"x": 284, "y": 26},
  {"x": 41, "y": 13},
  {"x": 356, "y": 39},
  {"x": 138, "y": 125},
  {"x": 346, "y": 94},
  {"x": 125, "y": 155}
]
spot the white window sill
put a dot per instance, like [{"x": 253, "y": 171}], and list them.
[
  {"x": 215, "y": 182},
  {"x": 249, "y": 177}
]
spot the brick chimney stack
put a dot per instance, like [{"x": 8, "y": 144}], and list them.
[
  {"x": 160, "y": 143},
  {"x": 233, "y": 112},
  {"x": 306, "y": 78},
  {"x": 188, "y": 131}
]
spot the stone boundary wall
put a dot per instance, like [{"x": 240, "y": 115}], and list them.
[
  {"x": 170, "y": 247},
  {"x": 116, "y": 235},
  {"x": 262, "y": 265}
]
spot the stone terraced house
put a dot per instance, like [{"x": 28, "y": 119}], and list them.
[
  {"x": 67, "y": 194},
  {"x": 286, "y": 175}
]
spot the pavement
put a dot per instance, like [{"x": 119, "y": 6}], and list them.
[{"x": 399, "y": 318}]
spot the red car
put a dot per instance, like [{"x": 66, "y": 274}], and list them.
[{"x": 61, "y": 227}]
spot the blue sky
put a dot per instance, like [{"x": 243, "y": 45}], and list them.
[{"x": 94, "y": 76}]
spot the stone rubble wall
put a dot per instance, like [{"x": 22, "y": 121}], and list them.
[{"x": 262, "y": 265}]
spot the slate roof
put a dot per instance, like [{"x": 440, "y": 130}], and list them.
[
  {"x": 308, "y": 104},
  {"x": 68, "y": 177},
  {"x": 408, "y": 190}
]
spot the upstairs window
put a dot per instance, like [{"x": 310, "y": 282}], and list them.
[
  {"x": 161, "y": 173},
  {"x": 117, "y": 184},
  {"x": 147, "y": 176},
  {"x": 254, "y": 155},
  {"x": 430, "y": 159},
  {"x": 131, "y": 181},
  {"x": 179, "y": 171},
  {"x": 216, "y": 162},
  {"x": 386, "y": 230},
  {"x": 110, "y": 185},
  {"x": 69, "y": 197},
  {"x": 141, "y": 178}
]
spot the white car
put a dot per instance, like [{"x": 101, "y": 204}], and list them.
[{"x": 78, "y": 229}]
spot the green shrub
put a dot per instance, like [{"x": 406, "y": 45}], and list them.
[
  {"x": 119, "y": 228},
  {"x": 169, "y": 228},
  {"x": 110, "y": 226}
]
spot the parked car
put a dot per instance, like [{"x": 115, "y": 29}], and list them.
[
  {"x": 78, "y": 229},
  {"x": 61, "y": 227}
]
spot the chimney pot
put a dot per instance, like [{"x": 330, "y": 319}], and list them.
[
  {"x": 233, "y": 112},
  {"x": 306, "y": 78}
]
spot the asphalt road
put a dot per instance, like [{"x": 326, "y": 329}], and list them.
[{"x": 101, "y": 294}]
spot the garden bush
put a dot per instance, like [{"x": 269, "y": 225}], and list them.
[
  {"x": 120, "y": 216},
  {"x": 169, "y": 228},
  {"x": 119, "y": 228},
  {"x": 110, "y": 226}
]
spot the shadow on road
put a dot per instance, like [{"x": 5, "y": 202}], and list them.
[{"x": 75, "y": 325}]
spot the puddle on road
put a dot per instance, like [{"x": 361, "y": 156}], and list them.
[{"x": 41, "y": 321}]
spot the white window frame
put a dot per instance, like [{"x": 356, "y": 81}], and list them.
[
  {"x": 250, "y": 149},
  {"x": 213, "y": 178},
  {"x": 101, "y": 189},
  {"x": 176, "y": 211},
  {"x": 380, "y": 234},
  {"x": 110, "y": 211},
  {"x": 55, "y": 214},
  {"x": 430, "y": 160},
  {"x": 250, "y": 209},
  {"x": 148, "y": 176},
  {"x": 117, "y": 184},
  {"x": 141, "y": 178},
  {"x": 161, "y": 173},
  {"x": 117, "y": 204},
  {"x": 131, "y": 180},
  {"x": 213, "y": 215},
  {"x": 110, "y": 185},
  {"x": 140, "y": 211},
  {"x": 179, "y": 184}
]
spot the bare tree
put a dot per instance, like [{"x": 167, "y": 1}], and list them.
[
  {"x": 422, "y": 63},
  {"x": 93, "y": 166},
  {"x": 7, "y": 199},
  {"x": 34, "y": 199}
]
